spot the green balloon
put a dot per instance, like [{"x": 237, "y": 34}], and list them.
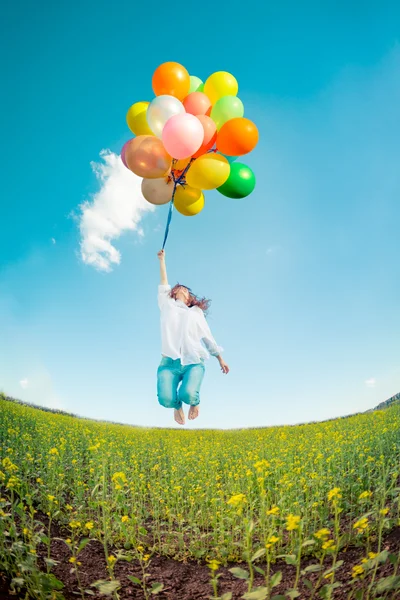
[
  {"x": 240, "y": 183},
  {"x": 196, "y": 84},
  {"x": 226, "y": 108}
]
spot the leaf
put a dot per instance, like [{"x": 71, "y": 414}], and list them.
[
  {"x": 359, "y": 594},
  {"x": 382, "y": 556},
  {"x": 258, "y": 554},
  {"x": 83, "y": 543},
  {"x": 134, "y": 580},
  {"x": 332, "y": 569},
  {"x": 257, "y": 594},
  {"x": 156, "y": 588},
  {"x": 106, "y": 587},
  {"x": 314, "y": 568},
  {"x": 278, "y": 597},
  {"x": 51, "y": 562},
  {"x": 54, "y": 583},
  {"x": 290, "y": 559},
  {"x": 259, "y": 570},
  {"x": 326, "y": 591},
  {"x": 388, "y": 583},
  {"x": 308, "y": 543},
  {"x": 308, "y": 584},
  {"x": 19, "y": 581},
  {"x": 275, "y": 579},
  {"x": 90, "y": 592},
  {"x": 393, "y": 558},
  {"x": 292, "y": 594},
  {"x": 142, "y": 531},
  {"x": 227, "y": 596},
  {"x": 239, "y": 573},
  {"x": 44, "y": 539}
]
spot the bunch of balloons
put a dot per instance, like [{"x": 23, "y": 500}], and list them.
[{"x": 188, "y": 138}]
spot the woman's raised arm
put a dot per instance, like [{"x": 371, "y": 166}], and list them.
[{"x": 163, "y": 268}]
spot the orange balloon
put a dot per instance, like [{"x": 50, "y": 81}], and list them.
[
  {"x": 210, "y": 134},
  {"x": 171, "y": 79},
  {"x": 146, "y": 156},
  {"x": 237, "y": 137}
]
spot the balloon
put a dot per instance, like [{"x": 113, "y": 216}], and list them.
[
  {"x": 136, "y": 119},
  {"x": 158, "y": 191},
  {"x": 209, "y": 171},
  {"x": 220, "y": 84},
  {"x": 123, "y": 150},
  {"x": 182, "y": 135},
  {"x": 237, "y": 137},
  {"x": 197, "y": 103},
  {"x": 180, "y": 165},
  {"x": 171, "y": 79},
  {"x": 188, "y": 201},
  {"x": 240, "y": 183},
  {"x": 160, "y": 110},
  {"x": 146, "y": 156},
  {"x": 230, "y": 159},
  {"x": 210, "y": 135},
  {"x": 228, "y": 107},
  {"x": 196, "y": 84}
]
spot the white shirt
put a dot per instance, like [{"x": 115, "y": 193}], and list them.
[{"x": 184, "y": 330}]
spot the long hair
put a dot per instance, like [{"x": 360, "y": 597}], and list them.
[{"x": 194, "y": 300}]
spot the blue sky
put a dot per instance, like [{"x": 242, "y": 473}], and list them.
[{"x": 304, "y": 274}]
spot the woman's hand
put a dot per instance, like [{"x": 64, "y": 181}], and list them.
[
  {"x": 223, "y": 365},
  {"x": 161, "y": 255}
]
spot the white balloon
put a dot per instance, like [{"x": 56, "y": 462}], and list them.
[
  {"x": 157, "y": 191},
  {"x": 160, "y": 110}
]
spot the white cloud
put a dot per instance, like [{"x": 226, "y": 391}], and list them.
[
  {"x": 370, "y": 382},
  {"x": 116, "y": 208},
  {"x": 24, "y": 383}
]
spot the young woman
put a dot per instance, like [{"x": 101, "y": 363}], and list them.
[{"x": 186, "y": 341}]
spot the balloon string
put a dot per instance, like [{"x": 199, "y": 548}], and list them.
[{"x": 179, "y": 181}]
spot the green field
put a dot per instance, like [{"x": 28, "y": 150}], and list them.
[{"x": 279, "y": 506}]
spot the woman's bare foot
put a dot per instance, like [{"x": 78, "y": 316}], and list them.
[
  {"x": 179, "y": 416},
  {"x": 193, "y": 412}
]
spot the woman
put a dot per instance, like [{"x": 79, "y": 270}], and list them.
[{"x": 186, "y": 341}]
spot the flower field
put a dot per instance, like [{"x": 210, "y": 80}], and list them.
[{"x": 309, "y": 511}]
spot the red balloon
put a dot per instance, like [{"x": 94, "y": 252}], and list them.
[{"x": 210, "y": 135}]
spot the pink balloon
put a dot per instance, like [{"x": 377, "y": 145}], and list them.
[
  {"x": 182, "y": 135},
  {"x": 124, "y": 147},
  {"x": 197, "y": 103}
]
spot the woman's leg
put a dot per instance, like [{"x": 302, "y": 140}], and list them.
[
  {"x": 189, "y": 392},
  {"x": 168, "y": 377}
]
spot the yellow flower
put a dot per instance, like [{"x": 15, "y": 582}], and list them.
[
  {"x": 68, "y": 540},
  {"x": 273, "y": 511},
  {"x": 328, "y": 575},
  {"x": 372, "y": 555},
  {"x": 53, "y": 451},
  {"x": 140, "y": 548},
  {"x": 125, "y": 518},
  {"x": 25, "y": 531},
  {"x": 89, "y": 525},
  {"x": 357, "y": 570},
  {"x": 237, "y": 500},
  {"x": 384, "y": 511},
  {"x": 292, "y": 522},
  {"x": 213, "y": 565},
  {"x": 146, "y": 557},
  {"x": 51, "y": 498},
  {"x": 365, "y": 495},
  {"x": 68, "y": 507},
  {"x": 39, "y": 480},
  {"x": 328, "y": 545},
  {"x": 361, "y": 525},
  {"x": 322, "y": 534},
  {"x": 74, "y": 524},
  {"x": 334, "y": 494},
  {"x": 72, "y": 559},
  {"x": 111, "y": 560}
]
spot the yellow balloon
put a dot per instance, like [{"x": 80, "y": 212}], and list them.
[
  {"x": 220, "y": 84},
  {"x": 136, "y": 119},
  {"x": 188, "y": 201},
  {"x": 209, "y": 171}
]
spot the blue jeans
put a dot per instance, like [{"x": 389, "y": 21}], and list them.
[{"x": 170, "y": 374}]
